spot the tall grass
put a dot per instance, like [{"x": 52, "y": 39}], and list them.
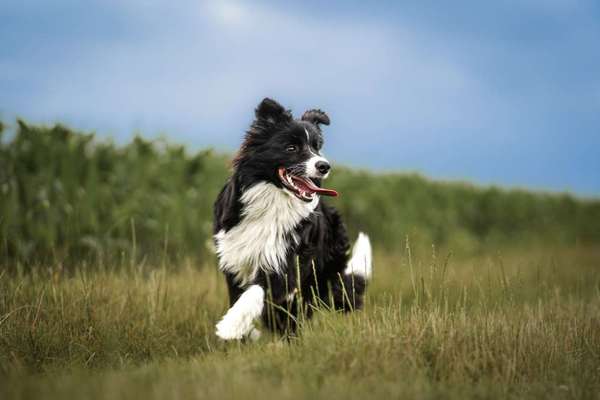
[
  {"x": 67, "y": 197},
  {"x": 108, "y": 286},
  {"x": 512, "y": 325}
]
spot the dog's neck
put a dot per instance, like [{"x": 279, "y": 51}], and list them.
[
  {"x": 261, "y": 240},
  {"x": 267, "y": 200}
]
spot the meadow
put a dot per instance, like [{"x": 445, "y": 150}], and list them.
[{"x": 108, "y": 285}]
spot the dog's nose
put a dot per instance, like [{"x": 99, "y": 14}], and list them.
[{"x": 323, "y": 167}]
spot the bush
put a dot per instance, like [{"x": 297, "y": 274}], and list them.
[{"x": 66, "y": 196}]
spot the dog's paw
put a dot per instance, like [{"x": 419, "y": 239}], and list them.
[
  {"x": 360, "y": 263},
  {"x": 228, "y": 331},
  {"x": 238, "y": 322},
  {"x": 234, "y": 328}
]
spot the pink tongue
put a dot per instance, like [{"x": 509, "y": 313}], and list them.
[{"x": 314, "y": 188}]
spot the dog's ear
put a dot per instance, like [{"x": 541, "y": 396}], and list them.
[
  {"x": 315, "y": 117},
  {"x": 271, "y": 111}
]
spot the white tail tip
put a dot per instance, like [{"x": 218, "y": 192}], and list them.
[{"x": 360, "y": 263}]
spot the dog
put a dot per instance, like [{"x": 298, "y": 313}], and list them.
[{"x": 281, "y": 249}]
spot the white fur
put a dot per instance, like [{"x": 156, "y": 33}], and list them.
[
  {"x": 311, "y": 167},
  {"x": 238, "y": 322},
  {"x": 361, "y": 261},
  {"x": 260, "y": 240},
  {"x": 310, "y": 164}
]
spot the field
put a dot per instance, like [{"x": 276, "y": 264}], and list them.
[
  {"x": 511, "y": 326},
  {"x": 108, "y": 286}
]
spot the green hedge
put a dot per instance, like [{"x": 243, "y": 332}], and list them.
[{"x": 66, "y": 196}]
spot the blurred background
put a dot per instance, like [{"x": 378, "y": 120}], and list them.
[
  {"x": 491, "y": 92},
  {"x": 110, "y": 110}
]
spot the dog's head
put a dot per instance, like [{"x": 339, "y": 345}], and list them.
[{"x": 284, "y": 151}]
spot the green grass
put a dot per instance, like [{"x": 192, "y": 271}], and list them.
[
  {"x": 511, "y": 325},
  {"x": 66, "y": 196},
  {"x": 109, "y": 288}
]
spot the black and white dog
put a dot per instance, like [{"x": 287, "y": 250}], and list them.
[{"x": 281, "y": 249}]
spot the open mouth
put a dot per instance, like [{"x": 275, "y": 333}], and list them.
[{"x": 303, "y": 188}]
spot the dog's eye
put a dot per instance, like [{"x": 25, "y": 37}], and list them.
[{"x": 292, "y": 148}]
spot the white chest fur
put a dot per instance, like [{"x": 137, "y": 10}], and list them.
[{"x": 262, "y": 238}]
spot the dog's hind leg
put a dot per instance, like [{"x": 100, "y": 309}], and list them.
[
  {"x": 348, "y": 287},
  {"x": 238, "y": 322},
  {"x": 360, "y": 263}
]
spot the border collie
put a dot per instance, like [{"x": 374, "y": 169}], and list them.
[{"x": 281, "y": 249}]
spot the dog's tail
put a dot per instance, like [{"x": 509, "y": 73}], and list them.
[{"x": 360, "y": 263}]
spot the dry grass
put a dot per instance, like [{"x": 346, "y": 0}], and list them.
[{"x": 514, "y": 325}]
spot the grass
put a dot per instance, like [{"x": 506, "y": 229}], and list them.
[
  {"x": 67, "y": 196},
  {"x": 137, "y": 318},
  {"x": 505, "y": 325}
]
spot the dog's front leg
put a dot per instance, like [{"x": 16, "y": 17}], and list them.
[{"x": 238, "y": 322}]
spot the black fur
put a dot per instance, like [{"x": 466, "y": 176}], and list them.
[
  {"x": 322, "y": 254},
  {"x": 316, "y": 117}
]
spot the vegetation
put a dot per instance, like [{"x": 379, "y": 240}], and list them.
[
  {"x": 65, "y": 197},
  {"x": 511, "y": 326},
  {"x": 108, "y": 286}
]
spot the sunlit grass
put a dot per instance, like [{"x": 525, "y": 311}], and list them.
[{"x": 522, "y": 325}]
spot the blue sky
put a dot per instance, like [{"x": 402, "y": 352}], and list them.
[{"x": 491, "y": 92}]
